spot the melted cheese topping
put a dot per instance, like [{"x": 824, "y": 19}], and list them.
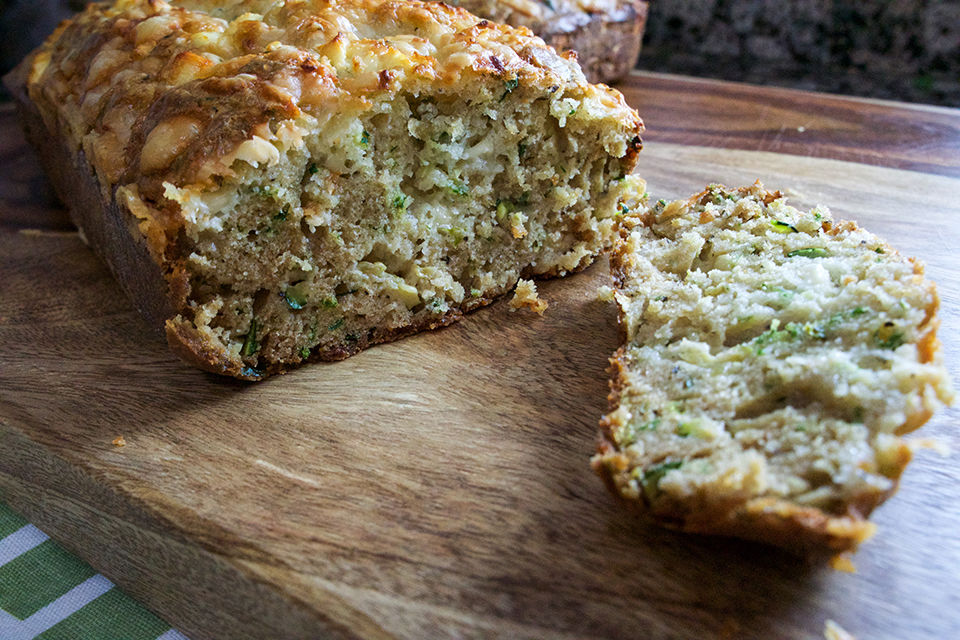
[{"x": 309, "y": 56}]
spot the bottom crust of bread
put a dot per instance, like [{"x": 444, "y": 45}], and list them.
[{"x": 805, "y": 531}]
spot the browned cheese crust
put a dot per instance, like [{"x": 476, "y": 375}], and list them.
[
  {"x": 278, "y": 182},
  {"x": 772, "y": 360}
]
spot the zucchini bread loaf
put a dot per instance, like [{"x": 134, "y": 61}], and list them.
[
  {"x": 606, "y": 34},
  {"x": 773, "y": 360},
  {"x": 275, "y": 182}
]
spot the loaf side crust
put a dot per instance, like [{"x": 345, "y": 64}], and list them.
[{"x": 104, "y": 225}]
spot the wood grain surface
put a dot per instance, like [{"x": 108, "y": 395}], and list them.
[
  {"x": 732, "y": 115},
  {"x": 437, "y": 487}
]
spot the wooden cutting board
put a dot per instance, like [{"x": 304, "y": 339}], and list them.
[{"x": 437, "y": 487}]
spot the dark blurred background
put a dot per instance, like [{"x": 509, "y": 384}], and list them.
[
  {"x": 25, "y": 23},
  {"x": 895, "y": 49},
  {"x": 905, "y": 50}
]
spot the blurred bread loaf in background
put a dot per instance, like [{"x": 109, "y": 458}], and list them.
[{"x": 606, "y": 34}]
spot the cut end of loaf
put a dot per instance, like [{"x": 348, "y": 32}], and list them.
[
  {"x": 396, "y": 221},
  {"x": 773, "y": 359}
]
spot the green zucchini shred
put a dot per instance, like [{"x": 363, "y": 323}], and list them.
[
  {"x": 783, "y": 227},
  {"x": 808, "y": 252},
  {"x": 250, "y": 344},
  {"x": 652, "y": 477}
]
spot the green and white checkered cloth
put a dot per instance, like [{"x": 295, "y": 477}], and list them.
[{"x": 50, "y": 594}]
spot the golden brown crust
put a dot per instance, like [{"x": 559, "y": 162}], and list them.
[{"x": 804, "y": 530}]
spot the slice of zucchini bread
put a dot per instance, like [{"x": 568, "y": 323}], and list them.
[
  {"x": 772, "y": 360},
  {"x": 281, "y": 181}
]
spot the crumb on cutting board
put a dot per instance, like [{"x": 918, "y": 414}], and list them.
[
  {"x": 119, "y": 441},
  {"x": 605, "y": 293},
  {"x": 834, "y": 631},
  {"x": 526, "y": 296},
  {"x": 933, "y": 444},
  {"x": 843, "y": 562}
]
